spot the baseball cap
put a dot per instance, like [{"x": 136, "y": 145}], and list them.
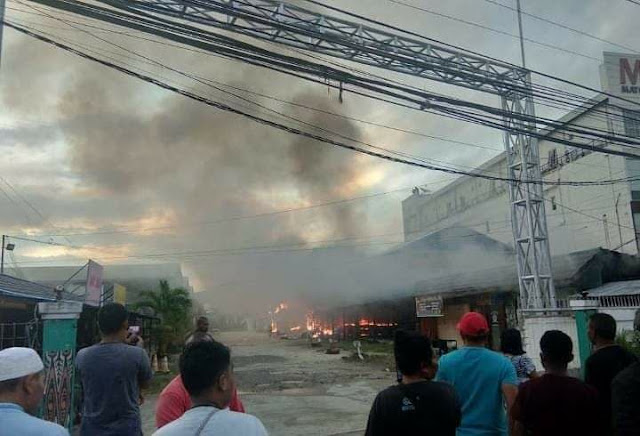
[
  {"x": 473, "y": 324},
  {"x": 16, "y": 362}
]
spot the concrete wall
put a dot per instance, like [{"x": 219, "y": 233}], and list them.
[
  {"x": 534, "y": 328},
  {"x": 624, "y": 316},
  {"x": 579, "y": 218}
]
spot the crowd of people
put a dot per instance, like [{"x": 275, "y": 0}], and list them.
[{"x": 472, "y": 391}]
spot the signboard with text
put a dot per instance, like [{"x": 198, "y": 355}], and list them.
[
  {"x": 94, "y": 283},
  {"x": 620, "y": 75},
  {"x": 428, "y": 306}
]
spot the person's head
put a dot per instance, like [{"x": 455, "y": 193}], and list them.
[
  {"x": 202, "y": 324},
  {"x": 205, "y": 369},
  {"x": 556, "y": 350},
  {"x": 414, "y": 355},
  {"x": 21, "y": 378},
  {"x": 113, "y": 320},
  {"x": 511, "y": 342},
  {"x": 474, "y": 329},
  {"x": 602, "y": 328}
]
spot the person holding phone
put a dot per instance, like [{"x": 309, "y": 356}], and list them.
[{"x": 112, "y": 375}]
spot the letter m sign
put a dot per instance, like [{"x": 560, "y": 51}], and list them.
[{"x": 627, "y": 72}]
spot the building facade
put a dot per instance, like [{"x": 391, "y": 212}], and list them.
[{"x": 578, "y": 217}]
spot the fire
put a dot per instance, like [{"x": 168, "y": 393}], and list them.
[
  {"x": 327, "y": 332},
  {"x": 311, "y": 325},
  {"x": 295, "y": 329},
  {"x": 282, "y": 306}
]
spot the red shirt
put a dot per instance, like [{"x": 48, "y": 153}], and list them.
[{"x": 174, "y": 401}]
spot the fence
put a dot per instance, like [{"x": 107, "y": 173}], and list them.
[{"x": 21, "y": 334}]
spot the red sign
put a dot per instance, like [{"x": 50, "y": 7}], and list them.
[{"x": 94, "y": 283}]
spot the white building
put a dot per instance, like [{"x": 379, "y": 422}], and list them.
[{"x": 578, "y": 218}]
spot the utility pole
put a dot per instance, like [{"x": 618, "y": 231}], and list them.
[
  {"x": 524, "y": 64},
  {"x": 2, "y": 9},
  {"x": 2, "y": 259}
]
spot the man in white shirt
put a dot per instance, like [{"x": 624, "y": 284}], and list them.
[{"x": 207, "y": 374}]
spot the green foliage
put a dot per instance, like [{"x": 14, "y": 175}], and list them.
[
  {"x": 630, "y": 341},
  {"x": 173, "y": 307}
]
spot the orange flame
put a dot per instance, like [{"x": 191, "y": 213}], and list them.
[{"x": 295, "y": 329}]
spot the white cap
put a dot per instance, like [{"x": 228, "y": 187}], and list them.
[{"x": 18, "y": 362}]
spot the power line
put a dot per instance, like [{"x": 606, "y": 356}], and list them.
[
  {"x": 492, "y": 29},
  {"x": 563, "y": 26},
  {"x": 290, "y": 64},
  {"x": 293, "y": 103},
  {"x": 299, "y": 132},
  {"x": 426, "y": 38},
  {"x": 294, "y": 130}
]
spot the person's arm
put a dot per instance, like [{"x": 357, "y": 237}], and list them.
[
  {"x": 530, "y": 368},
  {"x": 509, "y": 385},
  {"x": 509, "y": 392},
  {"x": 144, "y": 370}
]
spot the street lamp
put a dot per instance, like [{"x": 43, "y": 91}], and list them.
[{"x": 5, "y": 246}]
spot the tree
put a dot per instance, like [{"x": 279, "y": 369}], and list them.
[{"x": 173, "y": 307}]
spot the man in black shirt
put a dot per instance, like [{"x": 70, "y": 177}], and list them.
[
  {"x": 417, "y": 405},
  {"x": 625, "y": 396},
  {"x": 555, "y": 404},
  {"x": 606, "y": 361}
]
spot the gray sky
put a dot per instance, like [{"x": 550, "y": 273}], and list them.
[{"x": 95, "y": 151}]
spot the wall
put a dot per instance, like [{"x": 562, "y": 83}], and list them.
[
  {"x": 578, "y": 218},
  {"x": 534, "y": 328},
  {"x": 624, "y": 316}
]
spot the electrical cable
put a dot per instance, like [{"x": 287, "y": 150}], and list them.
[
  {"x": 297, "y": 131},
  {"x": 418, "y": 35},
  {"x": 491, "y": 29},
  {"x": 340, "y": 78},
  {"x": 563, "y": 26}
]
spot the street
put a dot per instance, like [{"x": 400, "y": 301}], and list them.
[{"x": 298, "y": 390}]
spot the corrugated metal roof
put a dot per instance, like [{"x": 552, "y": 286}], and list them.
[
  {"x": 627, "y": 287},
  {"x": 14, "y": 287}
]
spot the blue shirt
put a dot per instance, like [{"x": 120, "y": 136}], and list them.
[
  {"x": 110, "y": 374},
  {"x": 477, "y": 374},
  {"x": 15, "y": 421}
]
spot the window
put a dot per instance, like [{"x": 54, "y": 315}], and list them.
[
  {"x": 632, "y": 123},
  {"x": 553, "y": 158}
]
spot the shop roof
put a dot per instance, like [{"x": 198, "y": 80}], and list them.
[
  {"x": 615, "y": 289},
  {"x": 15, "y": 288}
]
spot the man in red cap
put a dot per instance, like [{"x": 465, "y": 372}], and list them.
[{"x": 482, "y": 379}]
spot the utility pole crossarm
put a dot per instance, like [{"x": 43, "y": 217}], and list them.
[{"x": 275, "y": 21}]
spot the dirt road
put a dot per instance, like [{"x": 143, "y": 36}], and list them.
[{"x": 298, "y": 390}]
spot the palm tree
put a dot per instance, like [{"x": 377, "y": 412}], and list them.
[{"x": 172, "y": 306}]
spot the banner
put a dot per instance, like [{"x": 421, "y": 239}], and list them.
[
  {"x": 94, "y": 284},
  {"x": 119, "y": 294},
  {"x": 428, "y": 306}
]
